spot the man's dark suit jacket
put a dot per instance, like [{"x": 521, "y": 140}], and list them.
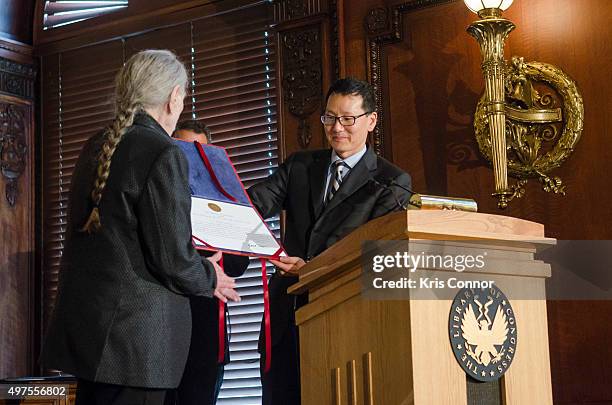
[
  {"x": 122, "y": 314},
  {"x": 298, "y": 187},
  {"x": 202, "y": 372},
  {"x": 205, "y": 314}
]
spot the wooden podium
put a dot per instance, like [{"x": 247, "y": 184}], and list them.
[{"x": 356, "y": 350}]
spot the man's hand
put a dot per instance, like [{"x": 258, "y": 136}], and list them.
[
  {"x": 225, "y": 284},
  {"x": 289, "y": 265}
]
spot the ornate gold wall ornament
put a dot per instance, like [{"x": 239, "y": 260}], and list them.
[
  {"x": 540, "y": 134},
  {"x": 491, "y": 33}
]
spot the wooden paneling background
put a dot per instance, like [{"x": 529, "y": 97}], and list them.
[
  {"x": 17, "y": 208},
  {"x": 17, "y": 245},
  {"x": 431, "y": 82}
]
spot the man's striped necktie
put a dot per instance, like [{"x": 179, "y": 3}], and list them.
[{"x": 339, "y": 167}]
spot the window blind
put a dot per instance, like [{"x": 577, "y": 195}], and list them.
[
  {"x": 64, "y": 12},
  {"x": 230, "y": 58},
  {"x": 76, "y": 104}
]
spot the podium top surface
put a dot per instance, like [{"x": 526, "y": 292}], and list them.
[
  {"x": 451, "y": 225},
  {"x": 470, "y": 225}
]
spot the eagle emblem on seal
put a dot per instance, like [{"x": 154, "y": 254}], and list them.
[{"x": 482, "y": 330}]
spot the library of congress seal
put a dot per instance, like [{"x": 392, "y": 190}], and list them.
[{"x": 482, "y": 329}]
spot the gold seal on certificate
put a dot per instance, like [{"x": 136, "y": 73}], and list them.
[{"x": 214, "y": 207}]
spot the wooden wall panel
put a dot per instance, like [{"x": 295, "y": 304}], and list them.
[
  {"x": 17, "y": 238},
  {"x": 17, "y": 190},
  {"x": 430, "y": 83}
]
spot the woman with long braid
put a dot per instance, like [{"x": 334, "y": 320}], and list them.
[{"x": 122, "y": 322}]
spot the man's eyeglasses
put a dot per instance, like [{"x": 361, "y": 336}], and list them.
[{"x": 345, "y": 120}]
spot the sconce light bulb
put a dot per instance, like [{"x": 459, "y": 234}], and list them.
[{"x": 478, "y": 5}]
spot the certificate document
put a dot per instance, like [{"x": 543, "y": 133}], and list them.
[
  {"x": 222, "y": 215},
  {"x": 230, "y": 226}
]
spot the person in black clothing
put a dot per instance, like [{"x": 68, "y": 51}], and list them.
[
  {"x": 325, "y": 194},
  {"x": 203, "y": 375}
]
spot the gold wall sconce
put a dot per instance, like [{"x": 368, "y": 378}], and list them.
[{"x": 531, "y": 114}]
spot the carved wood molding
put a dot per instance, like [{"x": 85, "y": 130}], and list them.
[
  {"x": 13, "y": 146},
  {"x": 17, "y": 79},
  {"x": 383, "y": 26},
  {"x": 310, "y": 41},
  {"x": 16, "y": 51},
  {"x": 289, "y": 10},
  {"x": 335, "y": 37},
  {"x": 293, "y": 10},
  {"x": 15, "y": 46},
  {"x": 302, "y": 76}
]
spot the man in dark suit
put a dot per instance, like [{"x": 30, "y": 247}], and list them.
[
  {"x": 203, "y": 374},
  {"x": 326, "y": 194}
]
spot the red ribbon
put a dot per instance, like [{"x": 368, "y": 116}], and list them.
[
  {"x": 267, "y": 323},
  {"x": 213, "y": 176},
  {"x": 221, "y": 326},
  {"x": 264, "y": 277}
]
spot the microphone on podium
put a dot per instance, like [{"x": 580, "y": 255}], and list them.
[{"x": 388, "y": 185}]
